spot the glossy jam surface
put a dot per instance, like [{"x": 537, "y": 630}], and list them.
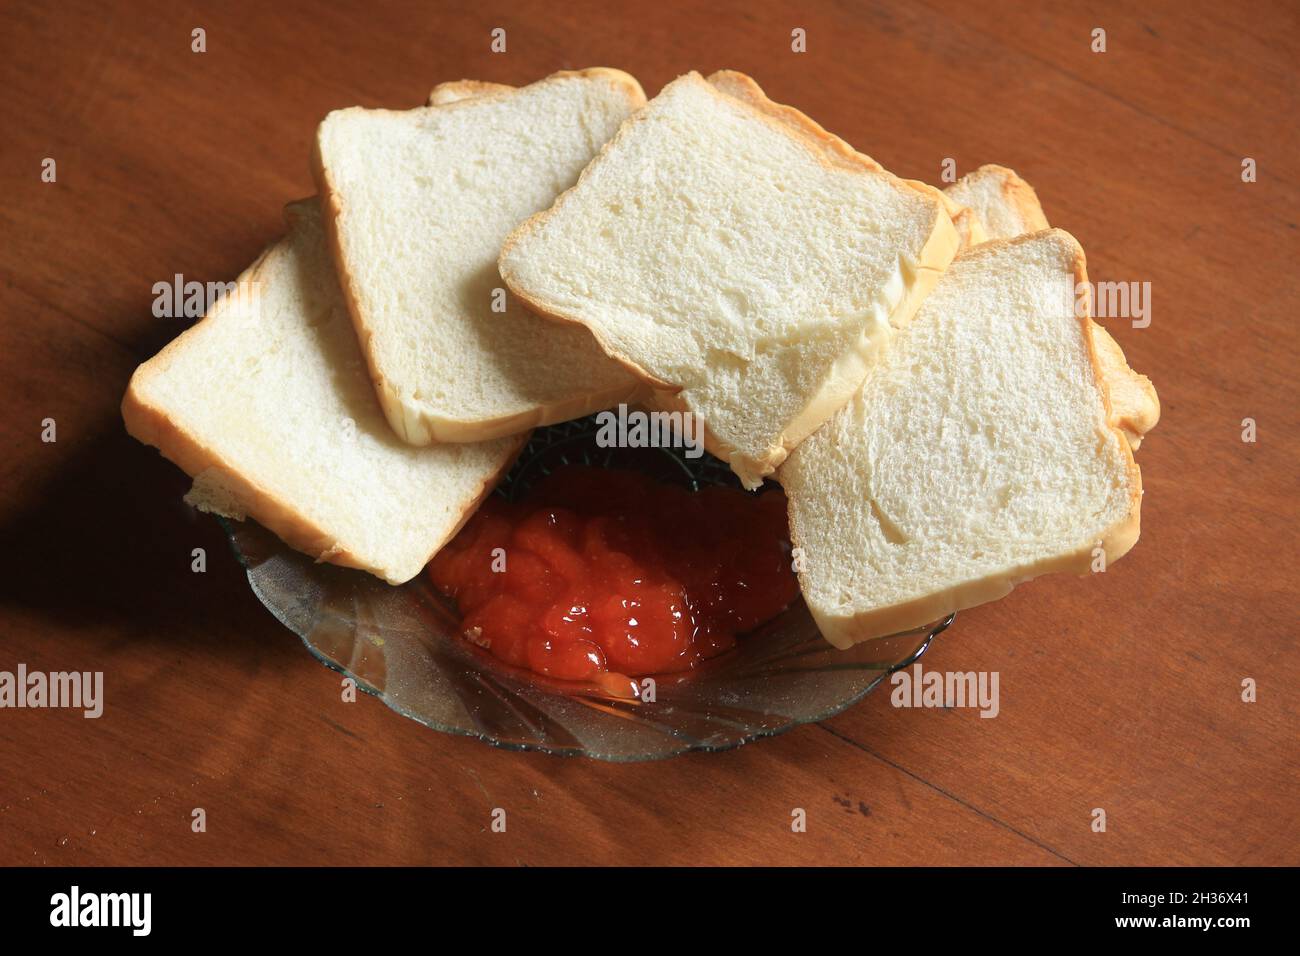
[{"x": 604, "y": 571}]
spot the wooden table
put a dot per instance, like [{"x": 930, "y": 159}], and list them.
[{"x": 1122, "y": 692}]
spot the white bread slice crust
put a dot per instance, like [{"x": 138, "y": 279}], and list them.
[
  {"x": 268, "y": 406},
  {"x": 738, "y": 258},
  {"x": 978, "y": 453},
  {"x": 1006, "y": 206},
  {"x": 453, "y": 91},
  {"x": 1134, "y": 404},
  {"x": 417, "y": 204}
]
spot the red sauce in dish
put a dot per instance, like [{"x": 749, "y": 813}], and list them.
[{"x": 607, "y": 571}]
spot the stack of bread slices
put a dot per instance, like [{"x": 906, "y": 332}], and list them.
[{"x": 917, "y": 368}]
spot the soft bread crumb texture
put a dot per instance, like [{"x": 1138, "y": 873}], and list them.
[
  {"x": 268, "y": 405},
  {"x": 1001, "y": 205},
  {"x": 419, "y": 202},
  {"x": 976, "y": 455},
  {"x": 735, "y": 255}
]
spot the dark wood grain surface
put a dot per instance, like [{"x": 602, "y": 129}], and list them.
[{"x": 1122, "y": 691}]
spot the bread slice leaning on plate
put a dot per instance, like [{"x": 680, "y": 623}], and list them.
[
  {"x": 737, "y": 257},
  {"x": 417, "y": 204},
  {"x": 978, "y": 453},
  {"x": 267, "y": 405}
]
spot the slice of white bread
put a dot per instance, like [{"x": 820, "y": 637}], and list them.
[
  {"x": 267, "y": 404},
  {"x": 977, "y": 454},
  {"x": 737, "y": 257},
  {"x": 1004, "y": 206},
  {"x": 417, "y": 204}
]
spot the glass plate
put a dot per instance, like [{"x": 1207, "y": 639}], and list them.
[{"x": 402, "y": 644}]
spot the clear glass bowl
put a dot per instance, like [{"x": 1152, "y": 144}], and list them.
[{"x": 402, "y": 644}]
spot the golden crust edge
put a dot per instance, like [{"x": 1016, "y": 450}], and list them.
[
  {"x": 1020, "y": 195},
  {"x": 453, "y": 91},
  {"x": 1016, "y": 192},
  {"x": 1135, "y": 419}
]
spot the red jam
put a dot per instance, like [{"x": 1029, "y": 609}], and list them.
[{"x": 607, "y": 571}]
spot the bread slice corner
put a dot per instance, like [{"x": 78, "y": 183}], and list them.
[
  {"x": 1133, "y": 402},
  {"x": 453, "y": 91},
  {"x": 1005, "y": 204}
]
